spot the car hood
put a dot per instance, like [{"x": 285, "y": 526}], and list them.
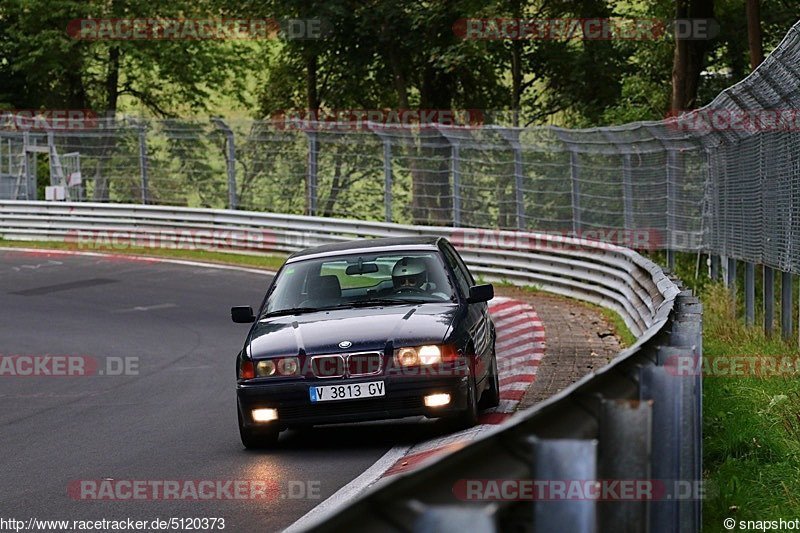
[{"x": 368, "y": 329}]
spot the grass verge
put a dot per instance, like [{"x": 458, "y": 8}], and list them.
[
  {"x": 266, "y": 262},
  {"x": 751, "y": 425}
]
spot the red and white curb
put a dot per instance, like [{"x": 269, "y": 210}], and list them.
[{"x": 520, "y": 348}]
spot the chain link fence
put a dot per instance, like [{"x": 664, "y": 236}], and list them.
[{"x": 688, "y": 183}]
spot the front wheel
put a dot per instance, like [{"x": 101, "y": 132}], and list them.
[
  {"x": 260, "y": 439},
  {"x": 469, "y": 417},
  {"x": 491, "y": 395}
]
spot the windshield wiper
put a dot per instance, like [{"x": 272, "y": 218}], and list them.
[
  {"x": 386, "y": 301},
  {"x": 291, "y": 311}
]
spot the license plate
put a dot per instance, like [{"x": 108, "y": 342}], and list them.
[{"x": 351, "y": 391}]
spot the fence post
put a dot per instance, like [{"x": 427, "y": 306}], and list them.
[
  {"x": 311, "y": 184},
  {"x": 715, "y": 268},
  {"x": 26, "y": 170},
  {"x": 672, "y": 166},
  {"x": 786, "y": 305},
  {"x": 769, "y": 299},
  {"x": 749, "y": 293},
  {"x": 518, "y": 187},
  {"x": 387, "y": 178},
  {"x": 731, "y": 281},
  {"x": 230, "y": 159},
  {"x": 627, "y": 192},
  {"x": 143, "y": 163},
  {"x": 576, "y": 192},
  {"x": 455, "y": 165}
]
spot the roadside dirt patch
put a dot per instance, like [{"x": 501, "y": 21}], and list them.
[{"x": 578, "y": 340}]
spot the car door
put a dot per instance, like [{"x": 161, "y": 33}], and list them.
[{"x": 478, "y": 323}]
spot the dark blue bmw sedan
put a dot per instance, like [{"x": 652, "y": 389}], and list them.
[{"x": 366, "y": 330}]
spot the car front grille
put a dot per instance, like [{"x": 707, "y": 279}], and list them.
[
  {"x": 364, "y": 364},
  {"x": 347, "y": 365},
  {"x": 328, "y": 366}
]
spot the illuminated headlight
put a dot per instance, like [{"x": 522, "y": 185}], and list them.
[
  {"x": 430, "y": 354},
  {"x": 265, "y": 368},
  {"x": 406, "y": 357},
  {"x": 264, "y": 415},
  {"x": 437, "y": 400}
]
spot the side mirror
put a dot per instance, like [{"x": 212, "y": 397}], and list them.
[
  {"x": 480, "y": 293},
  {"x": 242, "y": 314}
]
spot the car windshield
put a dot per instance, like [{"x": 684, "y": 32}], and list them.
[{"x": 386, "y": 278}]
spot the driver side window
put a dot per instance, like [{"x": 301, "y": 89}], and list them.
[{"x": 461, "y": 279}]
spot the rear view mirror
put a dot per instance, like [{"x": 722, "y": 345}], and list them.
[
  {"x": 361, "y": 268},
  {"x": 480, "y": 293},
  {"x": 242, "y": 314}
]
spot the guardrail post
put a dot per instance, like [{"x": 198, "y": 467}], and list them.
[
  {"x": 311, "y": 177},
  {"x": 230, "y": 159},
  {"x": 749, "y": 293},
  {"x": 564, "y": 460},
  {"x": 786, "y": 305},
  {"x": 666, "y": 391},
  {"x": 387, "y": 178},
  {"x": 687, "y": 334},
  {"x": 624, "y": 425},
  {"x": 576, "y": 192},
  {"x": 143, "y": 163},
  {"x": 455, "y": 166},
  {"x": 453, "y": 519},
  {"x": 769, "y": 300}
]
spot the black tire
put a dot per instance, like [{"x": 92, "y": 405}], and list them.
[
  {"x": 257, "y": 439},
  {"x": 491, "y": 395},
  {"x": 469, "y": 417}
]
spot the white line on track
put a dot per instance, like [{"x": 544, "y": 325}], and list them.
[
  {"x": 201, "y": 264},
  {"x": 319, "y": 514}
]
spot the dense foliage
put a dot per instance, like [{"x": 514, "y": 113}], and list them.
[{"x": 374, "y": 54}]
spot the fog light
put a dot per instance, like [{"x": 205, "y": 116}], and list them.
[
  {"x": 265, "y": 415},
  {"x": 437, "y": 400}
]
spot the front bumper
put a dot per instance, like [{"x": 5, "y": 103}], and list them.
[{"x": 404, "y": 397}]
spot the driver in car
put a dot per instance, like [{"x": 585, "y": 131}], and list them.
[{"x": 410, "y": 274}]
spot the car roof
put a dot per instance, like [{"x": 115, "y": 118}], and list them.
[{"x": 428, "y": 242}]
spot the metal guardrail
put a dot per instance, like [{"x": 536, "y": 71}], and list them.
[
  {"x": 601, "y": 273},
  {"x": 635, "y": 419}
]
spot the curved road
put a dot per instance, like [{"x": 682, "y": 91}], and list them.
[{"x": 173, "y": 418}]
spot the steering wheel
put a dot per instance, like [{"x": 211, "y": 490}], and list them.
[{"x": 410, "y": 290}]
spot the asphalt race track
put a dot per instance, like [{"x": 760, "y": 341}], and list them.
[{"x": 172, "y": 418}]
